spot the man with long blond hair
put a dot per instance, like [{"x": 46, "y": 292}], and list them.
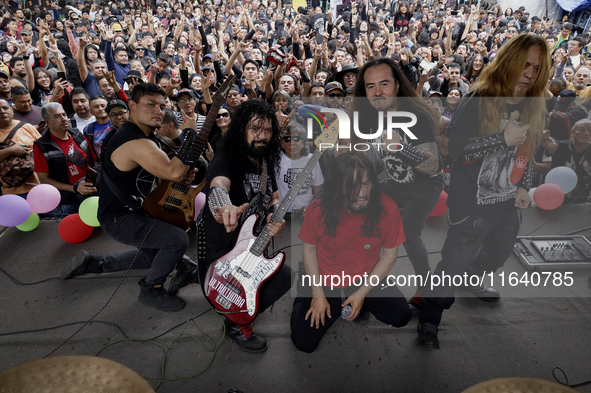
[{"x": 493, "y": 135}]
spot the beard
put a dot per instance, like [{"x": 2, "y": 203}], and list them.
[
  {"x": 258, "y": 151},
  {"x": 358, "y": 209}
]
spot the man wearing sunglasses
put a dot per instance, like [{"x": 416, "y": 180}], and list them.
[{"x": 334, "y": 95}]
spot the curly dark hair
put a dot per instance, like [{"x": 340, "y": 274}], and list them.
[
  {"x": 348, "y": 171},
  {"x": 234, "y": 141}
]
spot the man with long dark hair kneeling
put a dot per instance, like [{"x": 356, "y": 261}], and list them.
[{"x": 343, "y": 234}]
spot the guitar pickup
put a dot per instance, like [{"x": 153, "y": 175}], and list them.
[{"x": 223, "y": 301}]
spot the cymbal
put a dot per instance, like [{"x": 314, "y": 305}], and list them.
[
  {"x": 519, "y": 385},
  {"x": 72, "y": 374}
]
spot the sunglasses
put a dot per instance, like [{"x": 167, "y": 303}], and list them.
[
  {"x": 288, "y": 139},
  {"x": 335, "y": 95},
  {"x": 225, "y": 115}
]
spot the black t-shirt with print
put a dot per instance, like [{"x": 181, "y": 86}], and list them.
[
  {"x": 479, "y": 187},
  {"x": 398, "y": 170},
  {"x": 245, "y": 186}
]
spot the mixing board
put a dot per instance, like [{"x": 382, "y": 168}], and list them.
[{"x": 553, "y": 252}]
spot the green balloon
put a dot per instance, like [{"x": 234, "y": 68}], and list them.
[
  {"x": 31, "y": 223},
  {"x": 88, "y": 211}
]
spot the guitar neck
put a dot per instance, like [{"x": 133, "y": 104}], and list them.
[
  {"x": 203, "y": 134},
  {"x": 265, "y": 237}
]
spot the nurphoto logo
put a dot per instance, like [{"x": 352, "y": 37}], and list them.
[{"x": 392, "y": 120}]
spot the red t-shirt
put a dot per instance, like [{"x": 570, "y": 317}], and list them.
[
  {"x": 76, "y": 157},
  {"x": 356, "y": 248}
]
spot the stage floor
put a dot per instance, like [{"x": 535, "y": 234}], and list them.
[{"x": 528, "y": 333}]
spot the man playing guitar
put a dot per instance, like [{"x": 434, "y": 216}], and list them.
[
  {"x": 132, "y": 163},
  {"x": 247, "y": 158}
]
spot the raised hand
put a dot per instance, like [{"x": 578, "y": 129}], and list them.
[
  {"x": 282, "y": 119},
  {"x": 175, "y": 83},
  {"x": 445, "y": 72},
  {"x": 110, "y": 77},
  {"x": 59, "y": 87},
  {"x": 424, "y": 78}
]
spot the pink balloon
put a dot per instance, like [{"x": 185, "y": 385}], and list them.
[
  {"x": 548, "y": 196},
  {"x": 43, "y": 198},
  {"x": 199, "y": 203},
  {"x": 441, "y": 206}
]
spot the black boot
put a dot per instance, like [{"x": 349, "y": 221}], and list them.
[
  {"x": 187, "y": 272},
  {"x": 428, "y": 335},
  {"x": 483, "y": 292},
  {"x": 157, "y": 297},
  {"x": 246, "y": 339},
  {"x": 81, "y": 263}
]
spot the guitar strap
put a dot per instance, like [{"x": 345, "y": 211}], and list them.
[{"x": 521, "y": 159}]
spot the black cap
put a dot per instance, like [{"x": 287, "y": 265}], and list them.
[
  {"x": 133, "y": 74},
  {"x": 565, "y": 99},
  {"x": 186, "y": 91},
  {"x": 115, "y": 104},
  {"x": 207, "y": 68}
]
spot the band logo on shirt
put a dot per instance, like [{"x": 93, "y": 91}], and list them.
[{"x": 367, "y": 231}]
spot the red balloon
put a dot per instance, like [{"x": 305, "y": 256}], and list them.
[
  {"x": 441, "y": 206},
  {"x": 548, "y": 196},
  {"x": 73, "y": 230}
]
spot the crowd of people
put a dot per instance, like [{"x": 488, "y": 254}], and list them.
[{"x": 106, "y": 98}]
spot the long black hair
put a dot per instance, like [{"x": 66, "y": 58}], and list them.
[
  {"x": 234, "y": 141},
  {"x": 343, "y": 185},
  {"x": 413, "y": 102}
]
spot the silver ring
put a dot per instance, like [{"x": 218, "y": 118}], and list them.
[{"x": 226, "y": 211}]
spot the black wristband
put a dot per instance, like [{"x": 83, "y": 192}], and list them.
[
  {"x": 273, "y": 209},
  {"x": 185, "y": 153},
  {"x": 304, "y": 76},
  {"x": 235, "y": 37}
]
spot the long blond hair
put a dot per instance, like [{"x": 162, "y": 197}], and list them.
[{"x": 498, "y": 80}]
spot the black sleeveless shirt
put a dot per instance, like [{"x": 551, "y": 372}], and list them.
[{"x": 138, "y": 183}]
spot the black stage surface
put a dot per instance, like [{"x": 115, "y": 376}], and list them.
[{"x": 528, "y": 333}]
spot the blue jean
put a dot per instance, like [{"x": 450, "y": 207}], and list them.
[
  {"x": 416, "y": 202},
  {"x": 62, "y": 211},
  {"x": 473, "y": 245}
]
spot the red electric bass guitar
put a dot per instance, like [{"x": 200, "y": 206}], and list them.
[{"x": 232, "y": 282}]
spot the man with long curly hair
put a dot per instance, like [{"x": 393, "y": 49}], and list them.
[
  {"x": 493, "y": 136},
  {"x": 247, "y": 158}
]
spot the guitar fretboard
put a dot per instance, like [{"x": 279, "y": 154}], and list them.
[{"x": 265, "y": 237}]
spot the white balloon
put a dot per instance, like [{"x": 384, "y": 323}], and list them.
[
  {"x": 531, "y": 195},
  {"x": 563, "y": 177}
]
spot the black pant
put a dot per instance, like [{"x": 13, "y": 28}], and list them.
[
  {"x": 473, "y": 245},
  {"x": 161, "y": 245},
  {"x": 390, "y": 308}
]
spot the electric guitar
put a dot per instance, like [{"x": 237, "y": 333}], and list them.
[
  {"x": 232, "y": 282},
  {"x": 174, "y": 202}
]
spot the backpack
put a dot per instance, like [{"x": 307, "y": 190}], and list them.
[{"x": 14, "y": 171}]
